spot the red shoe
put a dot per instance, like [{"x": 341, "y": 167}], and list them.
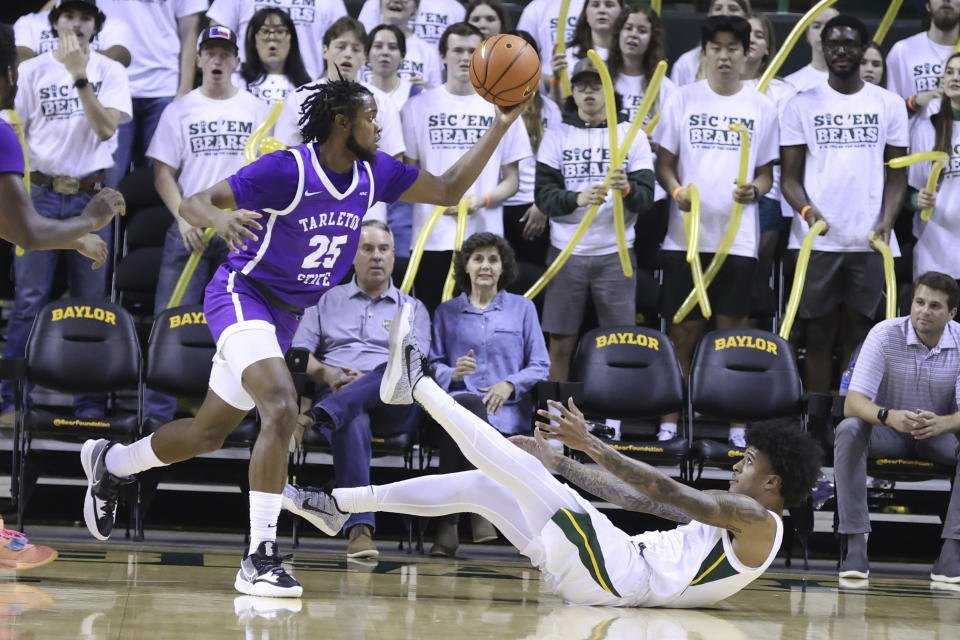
[{"x": 16, "y": 552}]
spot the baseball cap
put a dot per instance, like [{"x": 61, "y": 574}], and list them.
[
  {"x": 218, "y": 34},
  {"x": 92, "y": 3},
  {"x": 584, "y": 67}
]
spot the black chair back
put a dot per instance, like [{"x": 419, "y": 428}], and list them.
[
  {"x": 628, "y": 373},
  {"x": 180, "y": 352},
  {"x": 83, "y": 346},
  {"x": 744, "y": 375}
]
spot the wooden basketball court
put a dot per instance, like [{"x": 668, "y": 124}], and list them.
[{"x": 183, "y": 588}]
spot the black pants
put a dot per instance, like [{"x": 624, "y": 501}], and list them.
[
  {"x": 532, "y": 251},
  {"x": 428, "y": 285}
]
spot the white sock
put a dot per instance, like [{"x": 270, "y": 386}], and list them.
[
  {"x": 355, "y": 499},
  {"x": 668, "y": 427},
  {"x": 264, "y": 512},
  {"x": 126, "y": 460}
]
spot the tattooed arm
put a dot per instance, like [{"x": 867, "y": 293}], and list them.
[
  {"x": 739, "y": 514},
  {"x": 599, "y": 482}
]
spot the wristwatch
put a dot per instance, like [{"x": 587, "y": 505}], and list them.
[
  {"x": 882, "y": 415},
  {"x": 80, "y": 83}
]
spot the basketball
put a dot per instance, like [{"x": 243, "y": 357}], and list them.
[{"x": 505, "y": 70}]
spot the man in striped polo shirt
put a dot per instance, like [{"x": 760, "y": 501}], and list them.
[{"x": 903, "y": 401}]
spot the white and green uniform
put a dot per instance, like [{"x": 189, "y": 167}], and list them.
[{"x": 583, "y": 557}]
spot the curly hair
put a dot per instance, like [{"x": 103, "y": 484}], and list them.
[
  {"x": 655, "y": 50},
  {"x": 794, "y": 456},
  {"x": 483, "y": 240},
  {"x": 325, "y": 102}
]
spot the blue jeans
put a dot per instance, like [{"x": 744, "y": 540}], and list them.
[
  {"x": 357, "y": 414},
  {"x": 33, "y": 275},
  {"x": 175, "y": 255},
  {"x": 133, "y": 138}
]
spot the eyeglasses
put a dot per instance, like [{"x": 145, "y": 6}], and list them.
[
  {"x": 588, "y": 86},
  {"x": 280, "y": 33}
]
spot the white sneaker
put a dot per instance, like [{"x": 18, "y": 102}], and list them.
[
  {"x": 404, "y": 365},
  {"x": 262, "y": 574},
  {"x": 316, "y": 507},
  {"x": 663, "y": 435}
]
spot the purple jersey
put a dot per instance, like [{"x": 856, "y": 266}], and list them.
[
  {"x": 11, "y": 154},
  {"x": 310, "y": 227}
]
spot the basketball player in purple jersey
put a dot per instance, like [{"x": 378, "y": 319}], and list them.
[{"x": 292, "y": 221}]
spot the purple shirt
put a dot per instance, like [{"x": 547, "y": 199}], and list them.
[
  {"x": 311, "y": 218},
  {"x": 11, "y": 153}
]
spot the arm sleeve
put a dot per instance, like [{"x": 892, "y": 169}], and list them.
[
  {"x": 536, "y": 360},
  {"x": 308, "y": 332},
  {"x": 270, "y": 182},
  {"x": 443, "y": 372},
  {"x": 871, "y": 365},
  {"x": 23, "y": 35},
  {"x": 550, "y": 193}
]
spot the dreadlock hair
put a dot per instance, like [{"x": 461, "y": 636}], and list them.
[
  {"x": 325, "y": 102},
  {"x": 794, "y": 456}
]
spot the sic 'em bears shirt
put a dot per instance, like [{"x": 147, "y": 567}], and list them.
[
  {"x": 695, "y": 126},
  {"x": 915, "y": 65},
  {"x": 438, "y": 129},
  {"x": 843, "y": 176},
  {"x": 203, "y": 138},
  {"x": 574, "y": 156},
  {"x": 60, "y": 140}
]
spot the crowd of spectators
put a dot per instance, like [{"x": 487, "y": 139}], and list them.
[{"x": 110, "y": 86}]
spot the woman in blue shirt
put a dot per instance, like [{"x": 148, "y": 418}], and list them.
[{"x": 486, "y": 343}]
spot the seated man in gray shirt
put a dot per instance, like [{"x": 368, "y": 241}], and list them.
[
  {"x": 903, "y": 401},
  {"x": 346, "y": 333}
]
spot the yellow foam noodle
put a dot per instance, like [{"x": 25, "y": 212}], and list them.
[
  {"x": 956, "y": 47},
  {"x": 657, "y": 6},
  {"x": 939, "y": 160},
  {"x": 888, "y": 19},
  {"x": 18, "y": 129},
  {"x": 889, "y": 274},
  {"x": 691, "y": 227},
  {"x": 610, "y": 105},
  {"x": 799, "y": 278},
  {"x": 187, "y": 273},
  {"x": 642, "y": 111},
  {"x": 790, "y": 42},
  {"x": 562, "y": 46},
  {"x": 652, "y": 124},
  {"x": 252, "y": 150},
  {"x": 463, "y": 208},
  {"x": 417, "y": 254},
  {"x": 733, "y": 227}
]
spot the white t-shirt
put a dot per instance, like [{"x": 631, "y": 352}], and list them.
[
  {"x": 432, "y": 19},
  {"x": 845, "y": 136},
  {"x": 399, "y": 96},
  {"x": 311, "y": 18},
  {"x": 915, "y": 64},
  {"x": 540, "y": 18},
  {"x": 582, "y": 154},
  {"x": 939, "y": 237},
  {"x": 695, "y": 126},
  {"x": 780, "y": 91},
  {"x": 155, "y": 51},
  {"x": 60, "y": 140},
  {"x": 685, "y": 69},
  {"x": 438, "y": 129},
  {"x": 631, "y": 89},
  {"x": 422, "y": 59},
  {"x": 806, "y": 78},
  {"x": 271, "y": 89},
  {"x": 551, "y": 117},
  {"x": 33, "y": 31},
  {"x": 204, "y": 138}
]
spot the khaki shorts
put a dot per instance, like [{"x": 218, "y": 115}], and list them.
[{"x": 614, "y": 295}]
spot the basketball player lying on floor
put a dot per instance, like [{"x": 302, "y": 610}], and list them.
[{"x": 727, "y": 540}]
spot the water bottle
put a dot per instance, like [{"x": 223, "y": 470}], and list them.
[{"x": 845, "y": 379}]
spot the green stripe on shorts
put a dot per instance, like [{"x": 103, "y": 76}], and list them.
[{"x": 579, "y": 530}]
